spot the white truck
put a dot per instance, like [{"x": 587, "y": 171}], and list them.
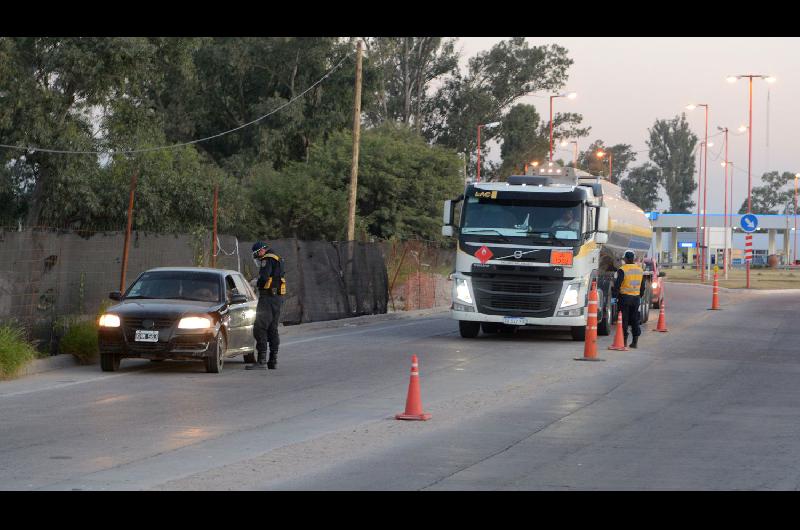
[{"x": 528, "y": 250}]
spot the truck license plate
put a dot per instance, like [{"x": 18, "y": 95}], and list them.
[
  {"x": 146, "y": 336},
  {"x": 514, "y": 321}
]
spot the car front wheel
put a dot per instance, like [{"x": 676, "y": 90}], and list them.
[
  {"x": 216, "y": 358},
  {"x": 109, "y": 362}
]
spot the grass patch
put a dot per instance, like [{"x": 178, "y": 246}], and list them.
[
  {"x": 737, "y": 278},
  {"x": 80, "y": 340},
  {"x": 15, "y": 351}
]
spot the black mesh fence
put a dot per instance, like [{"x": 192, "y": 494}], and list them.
[{"x": 47, "y": 274}]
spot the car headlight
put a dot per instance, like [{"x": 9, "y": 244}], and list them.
[
  {"x": 194, "y": 323},
  {"x": 462, "y": 291},
  {"x": 571, "y": 296},
  {"x": 109, "y": 321},
  {"x": 655, "y": 285}
]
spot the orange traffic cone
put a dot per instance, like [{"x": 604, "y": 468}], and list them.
[
  {"x": 715, "y": 292},
  {"x": 590, "y": 339},
  {"x": 413, "y": 401},
  {"x": 619, "y": 338},
  {"x": 662, "y": 321}
]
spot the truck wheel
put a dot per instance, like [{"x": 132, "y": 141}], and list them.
[
  {"x": 578, "y": 332},
  {"x": 604, "y": 316},
  {"x": 469, "y": 329},
  {"x": 216, "y": 358},
  {"x": 109, "y": 362},
  {"x": 490, "y": 327}
]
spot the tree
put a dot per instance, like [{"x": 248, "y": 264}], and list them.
[
  {"x": 402, "y": 182},
  {"x": 404, "y": 69},
  {"x": 770, "y": 198},
  {"x": 672, "y": 146},
  {"x": 494, "y": 80},
  {"x": 641, "y": 186},
  {"x": 622, "y": 156}
]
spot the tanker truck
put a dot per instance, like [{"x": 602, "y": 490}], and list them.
[{"x": 529, "y": 249}]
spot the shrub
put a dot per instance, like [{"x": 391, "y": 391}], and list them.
[
  {"x": 15, "y": 351},
  {"x": 81, "y": 341}
]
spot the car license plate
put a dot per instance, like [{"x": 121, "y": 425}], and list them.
[
  {"x": 514, "y": 321},
  {"x": 146, "y": 336}
]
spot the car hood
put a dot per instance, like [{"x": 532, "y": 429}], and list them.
[{"x": 161, "y": 308}]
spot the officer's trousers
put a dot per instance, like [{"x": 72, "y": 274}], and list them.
[
  {"x": 265, "y": 330},
  {"x": 630, "y": 315}
]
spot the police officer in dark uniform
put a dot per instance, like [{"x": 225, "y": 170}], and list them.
[
  {"x": 271, "y": 286},
  {"x": 629, "y": 288}
]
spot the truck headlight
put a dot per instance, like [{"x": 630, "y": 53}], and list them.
[
  {"x": 571, "y": 296},
  {"x": 194, "y": 323},
  {"x": 109, "y": 321},
  {"x": 462, "y": 291}
]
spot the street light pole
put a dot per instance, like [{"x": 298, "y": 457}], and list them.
[
  {"x": 733, "y": 79},
  {"x": 571, "y": 95}
]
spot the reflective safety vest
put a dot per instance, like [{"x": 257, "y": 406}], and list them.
[{"x": 632, "y": 281}]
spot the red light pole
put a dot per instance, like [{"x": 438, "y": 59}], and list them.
[
  {"x": 725, "y": 165},
  {"x": 571, "y": 95},
  {"x": 600, "y": 154},
  {"x": 488, "y": 126},
  {"x": 733, "y": 79},
  {"x": 794, "y": 242},
  {"x": 705, "y": 189}
]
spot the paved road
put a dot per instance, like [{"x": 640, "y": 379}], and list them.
[{"x": 713, "y": 404}]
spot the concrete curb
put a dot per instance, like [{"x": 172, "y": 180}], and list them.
[{"x": 55, "y": 362}]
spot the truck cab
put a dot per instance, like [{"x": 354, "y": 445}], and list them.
[{"x": 529, "y": 249}]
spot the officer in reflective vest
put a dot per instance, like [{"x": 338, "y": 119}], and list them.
[
  {"x": 271, "y": 286},
  {"x": 629, "y": 288}
]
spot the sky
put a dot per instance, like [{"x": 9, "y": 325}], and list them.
[{"x": 625, "y": 83}]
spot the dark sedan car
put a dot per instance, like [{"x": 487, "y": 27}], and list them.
[{"x": 180, "y": 313}]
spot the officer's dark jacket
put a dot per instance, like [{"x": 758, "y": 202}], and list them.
[{"x": 271, "y": 275}]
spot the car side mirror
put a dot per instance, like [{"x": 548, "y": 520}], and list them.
[
  {"x": 662, "y": 274},
  {"x": 115, "y": 295},
  {"x": 238, "y": 299}
]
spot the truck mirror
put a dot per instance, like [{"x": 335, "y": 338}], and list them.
[
  {"x": 602, "y": 219},
  {"x": 448, "y": 213},
  {"x": 601, "y": 238},
  {"x": 447, "y": 231}
]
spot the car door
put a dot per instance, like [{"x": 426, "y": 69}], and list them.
[
  {"x": 249, "y": 311},
  {"x": 236, "y": 315}
]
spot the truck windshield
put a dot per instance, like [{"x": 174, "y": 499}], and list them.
[{"x": 522, "y": 218}]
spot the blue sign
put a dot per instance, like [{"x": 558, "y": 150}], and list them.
[
  {"x": 749, "y": 222},
  {"x": 687, "y": 244}
]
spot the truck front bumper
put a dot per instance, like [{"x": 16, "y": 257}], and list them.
[{"x": 529, "y": 321}]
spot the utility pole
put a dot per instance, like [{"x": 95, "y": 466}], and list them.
[
  {"x": 214, "y": 230},
  {"x": 134, "y": 178},
  {"x": 351, "y": 219}
]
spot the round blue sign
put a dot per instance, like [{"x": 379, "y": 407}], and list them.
[{"x": 749, "y": 222}]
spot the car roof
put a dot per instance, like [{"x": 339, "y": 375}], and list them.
[{"x": 194, "y": 269}]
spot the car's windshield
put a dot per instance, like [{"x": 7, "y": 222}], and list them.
[
  {"x": 180, "y": 285},
  {"x": 526, "y": 218}
]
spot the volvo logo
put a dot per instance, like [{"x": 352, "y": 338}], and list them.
[{"x": 517, "y": 254}]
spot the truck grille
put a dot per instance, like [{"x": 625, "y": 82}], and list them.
[{"x": 533, "y": 296}]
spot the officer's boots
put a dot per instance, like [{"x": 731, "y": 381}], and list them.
[
  {"x": 635, "y": 342},
  {"x": 260, "y": 364},
  {"x": 272, "y": 364}
]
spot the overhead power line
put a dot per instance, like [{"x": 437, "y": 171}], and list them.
[{"x": 32, "y": 149}]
